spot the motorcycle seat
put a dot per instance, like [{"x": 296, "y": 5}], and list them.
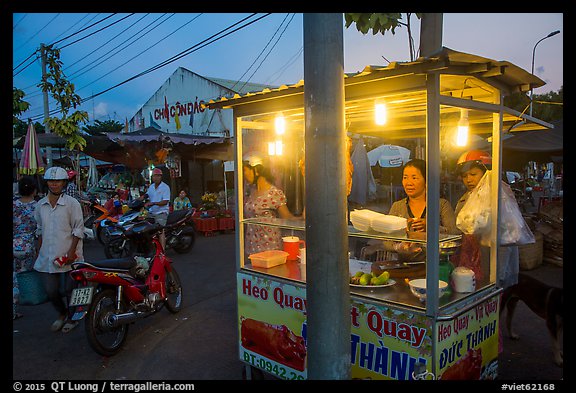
[
  {"x": 176, "y": 216},
  {"x": 124, "y": 264}
]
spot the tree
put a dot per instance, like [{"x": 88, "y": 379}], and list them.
[
  {"x": 18, "y": 104},
  {"x": 381, "y": 23},
  {"x": 548, "y": 107},
  {"x": 55, "y": 83},
  {"x": 103, "y": 127}
]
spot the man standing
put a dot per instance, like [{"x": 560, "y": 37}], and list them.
[
  {"x": 60, "y": 230},
  {"x": 159, "y": 195}
]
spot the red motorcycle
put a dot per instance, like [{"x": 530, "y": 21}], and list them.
[{"x": 113, "y": 293}]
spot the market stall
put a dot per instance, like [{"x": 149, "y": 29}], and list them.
[{"x": 395, "y": 334}]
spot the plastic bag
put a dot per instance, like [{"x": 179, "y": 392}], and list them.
[
  {"x": 513, "y": 228},
  {"x": 475, "y": 215}
]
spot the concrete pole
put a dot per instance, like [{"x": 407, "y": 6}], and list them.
[
  {"x": 327, "y": 287},
  {"x": 46, "y": 109},
  {"x": 431, "y": 34}
]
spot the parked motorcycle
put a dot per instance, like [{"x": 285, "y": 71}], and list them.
[
  {"x": 98, "y": 215},
  {"x": 179, "y": 232},
  {"x": 113, "y": 293},
  {"x": 109, "y": 226}
]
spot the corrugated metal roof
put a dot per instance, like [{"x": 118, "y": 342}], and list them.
[
  {"x": 241, "y": 87},
  {"x": 503, "y": 72}
]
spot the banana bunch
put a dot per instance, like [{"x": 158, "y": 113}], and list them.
[{"x": 361, "y": 278}]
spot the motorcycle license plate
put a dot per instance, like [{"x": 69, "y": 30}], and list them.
[{"x": 81, "y": 296}]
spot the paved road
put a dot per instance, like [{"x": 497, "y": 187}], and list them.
[{"x": 200, "y": 343}]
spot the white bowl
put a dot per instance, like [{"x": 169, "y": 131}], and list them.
[{"x": 418, "y": 288}]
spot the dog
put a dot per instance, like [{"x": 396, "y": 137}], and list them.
[{"x": 545, "y": 301}]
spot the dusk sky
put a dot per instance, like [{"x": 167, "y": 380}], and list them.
[{"x": 269, "y": 50}]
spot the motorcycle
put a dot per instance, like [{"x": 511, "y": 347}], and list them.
[
  {"x": 179, "y": 232},
  {"x": 114, "y": 293},
  {"x": 94, "y": 221},
  {"x": 109, "y": 225}
]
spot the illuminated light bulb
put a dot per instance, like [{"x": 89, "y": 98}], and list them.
[
  {"x": 380, "y": 114},
  {"x": 463, "y": 128},
  {"x": 279, "y": 147},
  {"x": 271, "y": 149},
  {"x": 280, "y": 125}
]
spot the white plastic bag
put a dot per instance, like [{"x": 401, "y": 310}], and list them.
[
  {"x": 475, "y": 216},
  {"x": 513, "y": 228}
]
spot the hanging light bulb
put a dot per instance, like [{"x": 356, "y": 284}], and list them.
[
  {"x": 463, "y": 128},
  {"x": 280, "y": 124},
  {"x": 380, "y": 113},
  {"x": 279, "y": 148}
]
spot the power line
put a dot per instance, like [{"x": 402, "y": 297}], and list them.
[
  {"x": 38, "y": 32},
  {"x": 17, "y": 23},
  {"x": 270, "y": 51},
  {"x": 97, "y": 31},
  {"x": 261, "y": 52},
  {"x": 184, "y": 53},
  {"x": 142, "y": 52},
  {"x": 65, "y": 38}
]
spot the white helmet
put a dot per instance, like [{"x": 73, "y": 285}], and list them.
[
  {"x": 56, "y": 173},
  {"x": 253, "y": 160}
]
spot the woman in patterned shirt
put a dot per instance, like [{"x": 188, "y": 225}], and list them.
[
  {"x": 266, "y": 202},
  {"x": 24, "y": 235}
]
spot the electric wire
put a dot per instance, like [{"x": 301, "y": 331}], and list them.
[
  {"x": 71, "y": 26},
  {"x": 261, "y": 52},
  {"x": 112, "y": 54},
  {"x": 34, "y": 35},
  {"x": 17, "y": 23},
  {"x": 97, "y": 31},
  {"x": 142, "y": 52},
  {"x": 176, "y": 57},
  {"x": 270, "y": 51},
  {"x": 65, "y": 38}
]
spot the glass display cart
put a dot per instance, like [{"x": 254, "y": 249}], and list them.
[{"x": 395, "y": 334}]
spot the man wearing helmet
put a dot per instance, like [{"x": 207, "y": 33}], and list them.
[
  {"x": 60, "y": 231},
  {"x": 471, "y": 167},
  {"x": 159, "y": 197}
]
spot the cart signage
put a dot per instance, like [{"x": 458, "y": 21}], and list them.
[
  {"x": 468, "y": 344},
  {"x": 272, "y": 326},
  {"x": 388, "y": 343}
]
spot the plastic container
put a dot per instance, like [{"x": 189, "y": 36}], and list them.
[{"x": 268, "y": 259}]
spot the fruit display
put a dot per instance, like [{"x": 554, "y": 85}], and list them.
[{"x": 362, "y": 278}]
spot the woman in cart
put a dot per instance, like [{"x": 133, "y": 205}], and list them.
[
  {"x": 265, "y": 201},
  {"x": 413, "y": 208},
  {"x": 471, "y": 167}
]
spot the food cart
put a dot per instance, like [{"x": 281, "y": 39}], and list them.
[{"x": 394, "y": 334}]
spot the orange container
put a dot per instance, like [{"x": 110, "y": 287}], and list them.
[{"x": 268, "y": 258}]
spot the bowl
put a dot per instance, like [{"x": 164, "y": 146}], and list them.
[{"x": 418, "y": 288}]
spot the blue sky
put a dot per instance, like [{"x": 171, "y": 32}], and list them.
[{"x": 270, "y": 50}]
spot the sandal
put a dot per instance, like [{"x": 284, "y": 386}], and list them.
[
  {"x": 16, "y": 316},
  {"x": 69, "y": 326},
  {"x": 57, "y": 325}
]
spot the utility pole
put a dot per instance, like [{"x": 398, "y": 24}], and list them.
[
  {"x": 46, "y": 109},
  {"x": 327, "y": 280}
]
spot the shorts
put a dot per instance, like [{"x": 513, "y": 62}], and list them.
[{"x": 160, "y": 218}]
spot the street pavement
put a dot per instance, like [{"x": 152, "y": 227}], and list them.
[{"x": 201, "y": 342}]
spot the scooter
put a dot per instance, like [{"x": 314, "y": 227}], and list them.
[
  {"x": 98, "y": 215},
  {"x": 113, "y": 293},
  {"x": 179, "y": 233},
  {"x": 109, "y": 225}
]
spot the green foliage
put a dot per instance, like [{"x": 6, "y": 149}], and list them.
[
  {"x": 103, "y": 127},
  {"x": 56, "y": 84},
  {"x": 21, "y": 128},
  {"x": 548, "y": 107},
  {"x": 18, "y": 104},
  {"x": 377, "y": 22}
]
